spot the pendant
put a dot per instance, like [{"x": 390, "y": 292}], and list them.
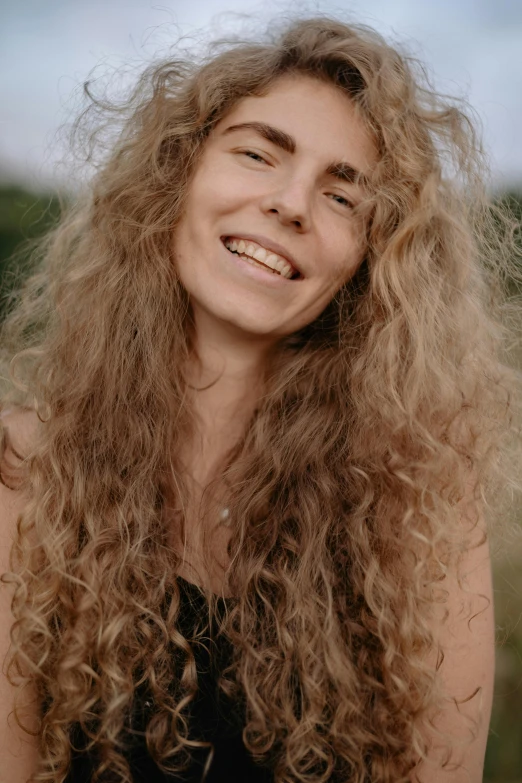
[{"x": 224, "y": 515}]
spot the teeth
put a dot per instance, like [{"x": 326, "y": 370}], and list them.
[
  {"x": 278, "y": 263},
  {"x": 258, "y": 253},
  {"x": 257, "y": 263}
]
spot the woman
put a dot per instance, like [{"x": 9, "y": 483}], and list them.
[{"x": 258, "y": 419}]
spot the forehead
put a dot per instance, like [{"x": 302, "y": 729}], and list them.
[{"x": 322, "y": 119}]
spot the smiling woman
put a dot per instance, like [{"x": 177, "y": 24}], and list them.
[
  {"x": 280, "y": 173},
  {"x": 258, "y": 430}
]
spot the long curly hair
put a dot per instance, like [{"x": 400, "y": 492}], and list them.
[{"x": 345, "y": 488}]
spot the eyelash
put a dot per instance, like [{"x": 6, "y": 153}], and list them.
[
  {"x": 348, "y": 203},
  {"x": 250, "y": 153}
]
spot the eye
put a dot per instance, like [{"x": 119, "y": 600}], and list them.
[
  {"x": 253, "y": 155},
  {"x": 342, "y": 200}
]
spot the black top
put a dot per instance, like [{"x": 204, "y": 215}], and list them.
[{"x": 213, "y": 718}]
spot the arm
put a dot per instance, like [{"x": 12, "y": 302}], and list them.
[
  {"x": 18, "y": 750},
  {"x": 467, "y": 639}
]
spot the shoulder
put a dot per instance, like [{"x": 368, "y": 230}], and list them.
[
  {"x": 464, "y": 655},
  {"x": 19, "y": 428},
  {"x": 18, "y": 749},
  {"x": 18, "y": 433}
]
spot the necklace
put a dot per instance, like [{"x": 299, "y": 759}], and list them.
[{"x": 224, "y": 515}]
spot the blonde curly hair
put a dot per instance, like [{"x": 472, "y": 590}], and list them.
[{"x": 344, "y": 490}]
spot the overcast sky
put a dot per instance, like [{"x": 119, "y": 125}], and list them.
[{"x": 473, "y": 48}]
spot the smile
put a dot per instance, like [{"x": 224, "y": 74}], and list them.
[{"x": 254, "y": 253}]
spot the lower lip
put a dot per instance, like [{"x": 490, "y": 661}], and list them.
[{"x": 257, "y": 272}]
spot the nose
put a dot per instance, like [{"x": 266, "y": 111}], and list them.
[{"x": 291, "y": 203}]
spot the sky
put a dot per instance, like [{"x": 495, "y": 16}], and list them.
[{"x": 48, "y": 48}]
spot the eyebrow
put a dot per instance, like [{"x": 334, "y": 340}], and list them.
[{"x": 341, "y": 170}]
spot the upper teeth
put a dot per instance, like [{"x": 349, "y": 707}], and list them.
[{"x": 259, "y": 253}]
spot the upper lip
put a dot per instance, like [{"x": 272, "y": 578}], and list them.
[{"x": 269, "y": 244}]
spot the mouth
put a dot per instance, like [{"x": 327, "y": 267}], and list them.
[{"x": 257, "y": 254}]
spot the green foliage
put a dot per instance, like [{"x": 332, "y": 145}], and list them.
[
  {"x": 504, "y": 751},
  {"x": 24, "y": 216}
]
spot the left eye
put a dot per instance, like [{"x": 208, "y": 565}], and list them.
[
  {"x": 254, "y": 156},
  {"x": 341, "y": 200}
]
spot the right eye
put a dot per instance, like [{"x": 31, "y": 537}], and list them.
[{"x": 254, "y": 155}]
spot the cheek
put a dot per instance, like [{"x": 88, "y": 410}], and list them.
[
  {"x": 355, "y": 248},
  {"x": 343, "y": 255},
  {"x": 344, "y": 263},
  {"x": 213, "y": 188}
]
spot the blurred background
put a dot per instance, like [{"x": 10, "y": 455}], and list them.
[{"x": 48, "y": 48}]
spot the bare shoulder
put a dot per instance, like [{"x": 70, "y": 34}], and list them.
[
  {"x": 18, "y": 751},
  {"x": 18, "y": 432},
  {"x": 19, "y": 428}
]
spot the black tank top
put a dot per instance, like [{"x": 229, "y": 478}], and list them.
[{"x": 214, "y": 718}]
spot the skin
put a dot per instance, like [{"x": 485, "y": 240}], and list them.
[{"x": 245, "y": 184}]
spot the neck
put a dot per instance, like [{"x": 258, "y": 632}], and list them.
[
  {"x": 225, "y": 375},
  {"x": 226, "y": 378}
]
